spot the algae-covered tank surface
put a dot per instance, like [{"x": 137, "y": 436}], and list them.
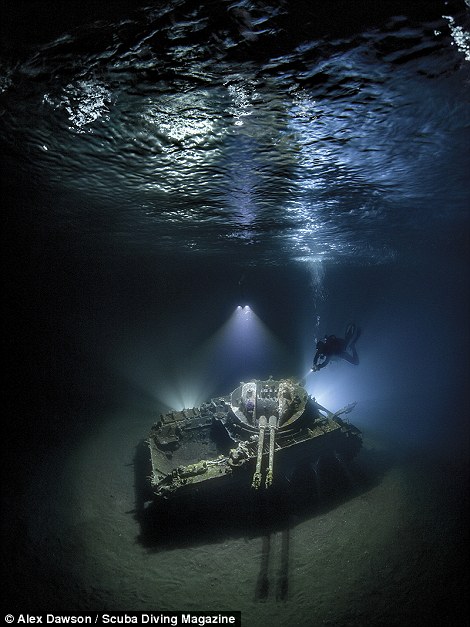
[
  {"x": 229, "y": 444},
  {"x": 193, "y": 195}
]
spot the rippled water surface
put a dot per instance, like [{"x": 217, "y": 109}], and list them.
[{"x": 307, "y": 133}]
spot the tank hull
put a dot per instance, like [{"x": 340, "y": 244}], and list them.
[{"x": 262, "y": 434}]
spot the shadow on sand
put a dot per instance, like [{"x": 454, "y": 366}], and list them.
[
  {"x": 202, "y": 518},
  {"x": 266, "y": 514}
]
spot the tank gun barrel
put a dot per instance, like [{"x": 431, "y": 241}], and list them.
[
  {"x": 272, "y": 437},
  {"x": 231, "y": 441},
  {"x": 257, "y": 476}
]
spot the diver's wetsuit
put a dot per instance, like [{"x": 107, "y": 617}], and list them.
[{"x": 332, "y": 346}]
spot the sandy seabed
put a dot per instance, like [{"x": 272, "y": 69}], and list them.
[{"x": 389, "y": 552}]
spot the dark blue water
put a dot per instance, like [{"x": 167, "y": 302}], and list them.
[{"x": 162, "y": 165}]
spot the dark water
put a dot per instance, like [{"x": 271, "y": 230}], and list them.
[{"x": 162, "y": 165}]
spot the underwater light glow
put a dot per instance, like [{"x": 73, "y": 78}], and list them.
[
  {"x": 185, "y": 393},
  {"x": 241, "y": 349}
]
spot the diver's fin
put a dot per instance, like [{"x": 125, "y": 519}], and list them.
[
  {"x": 350, "y": 331},
  {"x": 356, "y": 336}
]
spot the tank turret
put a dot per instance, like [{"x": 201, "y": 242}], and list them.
[{"x": 247, "y": 440}]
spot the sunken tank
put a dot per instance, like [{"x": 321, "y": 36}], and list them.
[{"x": 262, "y": 431}]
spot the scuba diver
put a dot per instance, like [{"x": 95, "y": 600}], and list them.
[{"x": 332, "y": 346}]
